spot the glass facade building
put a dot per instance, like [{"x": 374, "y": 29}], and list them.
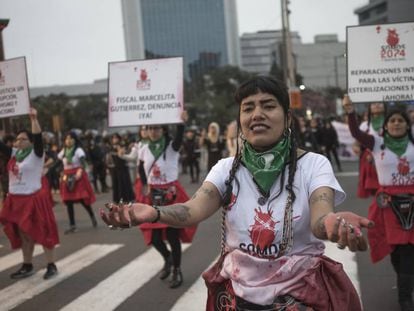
[{"x": 203, "y": 32}]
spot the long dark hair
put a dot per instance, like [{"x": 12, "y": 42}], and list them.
[
  {"x": 403, "y": 114},
  {"x": 278, "y": 89},
  {"x": 75, "y": 138}
]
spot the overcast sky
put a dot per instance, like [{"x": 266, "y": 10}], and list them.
[{"x": 69, "y": 42}]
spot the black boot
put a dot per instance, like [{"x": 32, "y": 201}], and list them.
[
  {"x": 25, "y": 270},
  {"x": 166, "y": 270},
  {"x": 405, "y": 284},
  {"x": 51, "y": 271},
  {"x": 177, "y": 278},
  {"x": 94, "y": 222}
]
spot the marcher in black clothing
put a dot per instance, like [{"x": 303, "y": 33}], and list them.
[
  {"x": 330, "y": 143},
  {"x": 97, "y": 158},
  {"x": 307, "y": 139},
  {"x": 191, "y": 154},
  {"x": 214, "y": 143},
  {"x": 4, "y": 175},
  {"x": 121, "y": 179}
]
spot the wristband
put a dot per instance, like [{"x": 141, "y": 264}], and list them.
[{"x": 157, "y": 208}]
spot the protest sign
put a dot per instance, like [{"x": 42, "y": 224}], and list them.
[
  {"x": 14, "y": 90},
  {"x": 145, "y": 92},
  {"x": 381, "y": 62}
]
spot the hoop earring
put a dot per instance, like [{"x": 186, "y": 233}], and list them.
[
  {"x": 287, "y": 132},
  {"x": 242, "y": 137}
]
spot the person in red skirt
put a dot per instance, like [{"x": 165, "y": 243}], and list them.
[
  {"x": 392, "y": 209},
  {"x": 75, "y": 186},
  {"x": 27, "y": 214},
  {"x": 368, "y": 179},
  {"x": 158, "y": 170},
  {"x": 134, "y": 156}
]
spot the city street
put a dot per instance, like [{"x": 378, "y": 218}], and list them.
[{"x": 100, "y": 269}]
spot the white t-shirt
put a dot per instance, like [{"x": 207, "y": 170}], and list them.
[
  {"x": 25, "y": 177},
  {"x": 164, "y": 170},
  {"x": 393, "y": 170},
  {"x": 76, "y": 159},
  {"x": 364, "y": 127},
  {"x": 257, "y": 229}
]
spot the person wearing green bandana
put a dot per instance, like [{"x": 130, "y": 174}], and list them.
[
  {"x": 27, "y": 214},
  {"x": 392, "y": 209},
  {"x": 367, "y": 178},
  {"x": 158, "y": 170},
  {"x": 277, "y": 203},
  {"x": 75, "y": 186}
]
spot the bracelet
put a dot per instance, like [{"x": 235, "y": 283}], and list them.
[{"x": 157, "y": 208}]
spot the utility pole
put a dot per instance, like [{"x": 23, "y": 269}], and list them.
[
  {"x": 289, "y": 66},
  {"x": 3, "y": 24}
]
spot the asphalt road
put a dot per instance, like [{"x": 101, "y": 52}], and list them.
[{"x": 100, "y": 269}]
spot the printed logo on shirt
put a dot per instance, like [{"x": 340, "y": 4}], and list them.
[
  {"x": 262, "y": 234},
  {"x": 157, "y": 176},
  {"x": 403, "y": 176}
]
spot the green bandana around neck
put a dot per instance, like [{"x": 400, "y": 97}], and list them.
[
  {"x": 266, "y": 166},
  {"x": 69, "y": 152},
  {"x": 377, "y": 122},
  {"x": 21, "y": 154},
  {"x": 157, "y": 147},
  {"x": 396, "y": 145}
]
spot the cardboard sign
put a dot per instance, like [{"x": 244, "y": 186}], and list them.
[
  {"x": 14, "y": 90},
  {"x": 145, "y": 92},
  {"x": 381, "y": 62}
]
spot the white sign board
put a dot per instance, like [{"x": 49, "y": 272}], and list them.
[
  {"x": 145, "y": 92},
  {"x": 14, "y": 90},
  {"x": 381, "y": 62}
]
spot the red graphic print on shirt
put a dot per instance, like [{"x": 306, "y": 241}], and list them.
[
  {"x": 262, "y": 232},
  {"x": 156, "y": 172},
  {"x": 403, "y": 166}
]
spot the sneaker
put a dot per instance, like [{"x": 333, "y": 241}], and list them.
[
  {"x": 177, "y": 278},
  {"x": 25, "y": 271},
  {"x": 72, "y": 229},
  {"x": 51, "y": 271}
]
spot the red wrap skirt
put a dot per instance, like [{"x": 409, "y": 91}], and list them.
[
  {"x": 139, "y": 197},
  {"x": 387, "y": 232},
  {"x": 186, "y": 234},
  {"x": 368, "y": 178},
  {"x": 47, "y": 190},
  {"x": 82, "y": 190},
  {"x": 31, "y": 214}
]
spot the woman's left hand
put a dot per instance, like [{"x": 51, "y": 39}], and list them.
[
  {"x": 345, "y": 228},
  {"x": 184, "y": 116}
]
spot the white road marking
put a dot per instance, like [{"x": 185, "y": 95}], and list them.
[
  {"x": 16, "y": 258},
  {"x": 115, "y": 289},
  {"x": 26, "y": 289}
]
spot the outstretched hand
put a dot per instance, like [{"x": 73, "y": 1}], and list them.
[
  {"x": 345, "y": 228},
  {"x": 127, "y": 215}
]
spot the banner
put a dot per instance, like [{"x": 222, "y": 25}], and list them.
[
  {"x": 14, "y": 90},
  {"x": 381, "y": 62},
  {"x": 145, "y": 92},
  {"x": 346, "y": 141}
]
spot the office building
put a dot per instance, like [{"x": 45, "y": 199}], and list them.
[
  {"x": 386, "y": 11},
  {"x": 204, "y": 32}
]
